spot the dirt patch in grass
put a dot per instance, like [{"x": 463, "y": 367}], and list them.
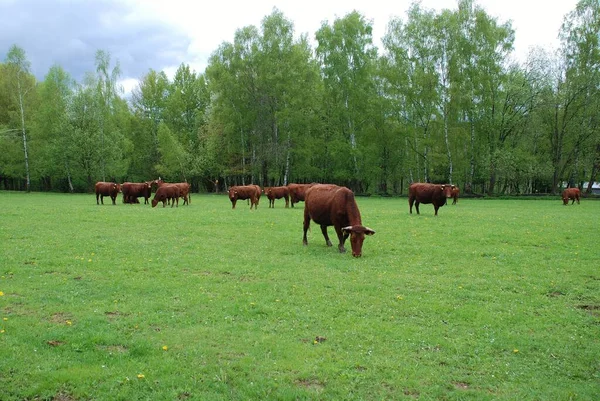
[
  {"x": 113, "y": 349},
  {"x": 593, "y": 310},
  {"x": 60, "y": 318},
  {"x": 115, "y": 314},
  {"x": 63, "y": 397},
  {"x": 55, "y": 343},
  {"x": 312, "y": 384},
  {"x": 460, "y": 385}
]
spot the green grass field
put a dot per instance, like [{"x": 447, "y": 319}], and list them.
[{"x": 491, "y": 300}]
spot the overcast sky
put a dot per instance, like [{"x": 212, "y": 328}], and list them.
[{"x": 160, "y": 35}]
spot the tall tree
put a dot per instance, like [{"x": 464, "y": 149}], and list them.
[
  {"x": 19, "y": 68},
  {"x": 149, "y": 103},
  {"x": 580, "y": 41},
  {"x": 54, "y": 145},
  {"x": 106, "y": 93},
  {"x": 347, "y": 56}
]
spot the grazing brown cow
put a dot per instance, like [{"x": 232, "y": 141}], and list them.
[
  {"x": 297, "y": 192},
  {"x": 133, "y": 190},
  {"x": 243, "y": 192},
  {"x": 184, "y": 190},
  {"x": 330, "y": 205},
  {"x": 277, "y": 193},
  {"x": 571, "y": 193},
  {"x": 455, "y": 193},
  {"x": 429, "y": 193},
  {"x": 167, "y": 192},
  {"x": 106, "y": 189}
]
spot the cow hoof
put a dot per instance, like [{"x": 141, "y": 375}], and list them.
[
  {"x": 342, "y": 249},
  {"x": 329, "y": 243}
]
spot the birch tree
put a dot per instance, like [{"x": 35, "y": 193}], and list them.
[{"x": 19, "y": 68}]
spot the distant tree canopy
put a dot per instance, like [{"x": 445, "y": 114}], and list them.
[{"x": 442, "y": 101}]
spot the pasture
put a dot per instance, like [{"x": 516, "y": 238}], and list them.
[{"x": 490, "y": 300}]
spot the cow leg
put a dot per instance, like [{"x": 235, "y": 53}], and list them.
[
  {"x": 410, "y": 203},
  {"x": 417, "y": 207},
  {"x": 97, "y": 199},
  {"x": 305, "y": 226},
  {"x": 114, "y": 199},
  {"x": 342, "y": 238},
  {"x": 176, "y": 201},
  {"x": 324, "y": 231},
  {"x": 287, "y": 202}
]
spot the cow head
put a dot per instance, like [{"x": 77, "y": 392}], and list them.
[
  {"x": 357, "y": 236},
  {"x": 447, "y": 190},
  {"x": 232, "y": 193},
  {"x": 154, "y": 202}
]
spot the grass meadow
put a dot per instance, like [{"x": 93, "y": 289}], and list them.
[{"x": 490, "y": 300}]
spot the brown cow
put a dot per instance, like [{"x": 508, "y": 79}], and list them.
[
  {"x": 571, "y": 193},
  {"x": 277, "y": 193},
  {"x": 258, "y": 194},
  {"x": 455, "y": 193},
  {"x": 133, "y": 190},
  {"x": 330, "y": 205},
  {"x": 167, "y": 192},
  {"x": 106, "y": 189},
  {"x": 243, "y": 192},
  {"x": 184, "y": 190},
  {"x": 297, "y": 192},
  {"x": 429, "y": 193}
]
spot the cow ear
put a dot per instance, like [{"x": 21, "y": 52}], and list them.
[
  {"x": 347, "y": 229},
  {"x": 369, "y": 231}
]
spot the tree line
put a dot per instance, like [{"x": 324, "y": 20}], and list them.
[{"x": 443, "y": 101}]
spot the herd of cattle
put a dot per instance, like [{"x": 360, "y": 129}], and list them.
[
  {"x": 132, "y": 191},
  {"x": 325, "y": 204}
]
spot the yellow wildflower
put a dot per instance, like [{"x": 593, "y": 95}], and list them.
[
  {"x": 140, "y": 376},
  {"x": 165, "y": 348}
]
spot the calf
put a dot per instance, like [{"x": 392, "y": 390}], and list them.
[
  {"x": 429, "y": 193},
  {"x": 571, "y": 193},
  {"x": 273, "y": 193},
  {"x": 330, "y": 205},
  {"x": 455, "y": 193}
]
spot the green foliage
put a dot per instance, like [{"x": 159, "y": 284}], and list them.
[
  {"x": 174, "y": 160},
  {"x": 502, "y": 306},
  {"x": 441, "y": 101}
]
